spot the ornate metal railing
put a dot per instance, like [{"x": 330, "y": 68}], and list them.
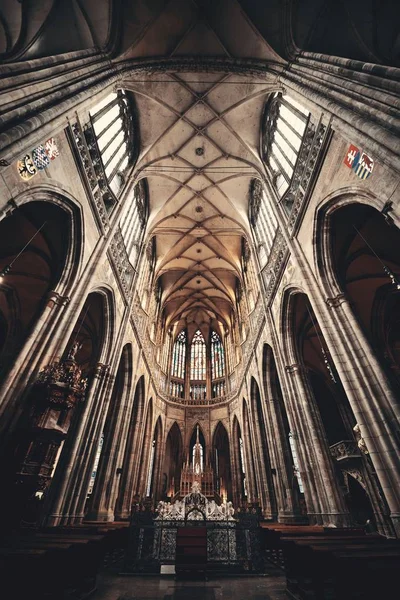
[{"x": 344, "y": 450}]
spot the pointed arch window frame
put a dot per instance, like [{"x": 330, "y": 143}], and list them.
[
  {"x": 285, "y": 122},
  {"x": 198, "y": 357},
  {"x": 119, "y": 130},
  {"x": 178, "y": 366},
  {"x": 217, "y": 353}
]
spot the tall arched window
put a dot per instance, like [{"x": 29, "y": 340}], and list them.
[
  {"x": 217, "y": 366},
  {"x": 263, "y": 220},
  {"x": 285, "y": 122},
  {"x": 198, "y": 357},
  {"x": 112, "y": 123},
  {"x": 134, "y": 221},
  {"x": 179, "y": 356},
  {"x": 217, "y": 357}
]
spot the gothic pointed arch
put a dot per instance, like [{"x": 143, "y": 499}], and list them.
[
  {"x": 131, "y": 452},
  {"x": 221, "y": 460},
  {"x": 172, "y": 465}
]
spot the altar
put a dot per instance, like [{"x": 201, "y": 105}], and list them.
[
  {"x": 207, "y": 534},
  {"x": 196, "y": 510}
]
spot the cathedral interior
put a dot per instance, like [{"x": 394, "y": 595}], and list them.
[{"x": 199, "y": 297}]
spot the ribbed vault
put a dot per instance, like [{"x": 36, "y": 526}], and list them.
[{"x": 199, "y": 151}]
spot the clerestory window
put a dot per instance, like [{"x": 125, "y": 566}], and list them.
[
  {"x": 179, "y": 356},
  {"x": 285, "y": 122},
  {"x": 198, "y": 357},
  {"x": 112, "y": 123}
]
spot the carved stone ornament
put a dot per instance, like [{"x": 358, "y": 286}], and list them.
[
  {"x": 195, "y": 506},
  {"x": 61, "y": 384},
  {"x": 360, "y": 440}
]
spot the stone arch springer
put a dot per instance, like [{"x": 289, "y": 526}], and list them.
[
  {"x": 323, "y": 259},
  {"x": 58, "y": 196}
]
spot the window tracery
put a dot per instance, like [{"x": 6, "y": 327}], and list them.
[
  {"x": 217, "y": 357},
  {"x": 134, "y": 221},
  {"x": 285, "y": 122},
  {"x": 198, "y": 357},
  {"x": 112, "y": 123},
  {"x": 179, "y": 357}
]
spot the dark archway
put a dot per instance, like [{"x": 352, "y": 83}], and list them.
[
  {"x": 367, "y": 266},
  {"x": 290, "y": 477},
  {"x": 33, "y": 274},
  {"x": 154, "y": 463},
  {"x": 171, "y": 475},
  {"x": 265, "y": 464},
  {"x": 109, "y": 470},
  {"x": 221, "y": 460},
  {"x": 241, "y": 493},
  {"x": 132, "y": 452},
  {"x": 334, "y": 408}
]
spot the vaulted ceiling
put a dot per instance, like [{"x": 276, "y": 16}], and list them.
[
  {"x": 200, "y": 138},
  {"x": 199, "y": 124}
]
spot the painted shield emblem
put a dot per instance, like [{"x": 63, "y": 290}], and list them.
[
  {"x": 26, "y": 168},
  {"x": 352, "y": 154},
  {"x": 363, "y": 165},
  {"x": 51, "y": 148},
  {"x": 40, "y": 158}
]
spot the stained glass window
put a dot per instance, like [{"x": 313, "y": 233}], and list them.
[
  {"x": 179, "y": 356},
  {"x": 217, "y": 357},
  {"x": 198, "y": 357}
]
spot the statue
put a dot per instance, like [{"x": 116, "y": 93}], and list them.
[
  {"x": 360, "y": 440},
  {"x": 76, "y": 346}
]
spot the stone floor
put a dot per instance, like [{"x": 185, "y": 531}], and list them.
[{"x": 116, "y": 587}]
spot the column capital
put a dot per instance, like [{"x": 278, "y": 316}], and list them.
[
  {"x": 293, "y": 368},
  {"x": 57, "y": 299},
  {"x": 336, "y": 301},
  {"x": 101, "y": 370}
]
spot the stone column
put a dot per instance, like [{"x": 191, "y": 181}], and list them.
[
  {"x": 236, "y": 472},
  {"x": 288, "y": 507},
  {"x": 26, "y": 363},
  {"x": 373, "y": 403},
  {"x": 90, "y": 446},
  {"x": 61, "y": 493},
  {"x": 313, "y": 440},
  {"x": 264, "y": 482},
  {"x": 107, "y": 479}
]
